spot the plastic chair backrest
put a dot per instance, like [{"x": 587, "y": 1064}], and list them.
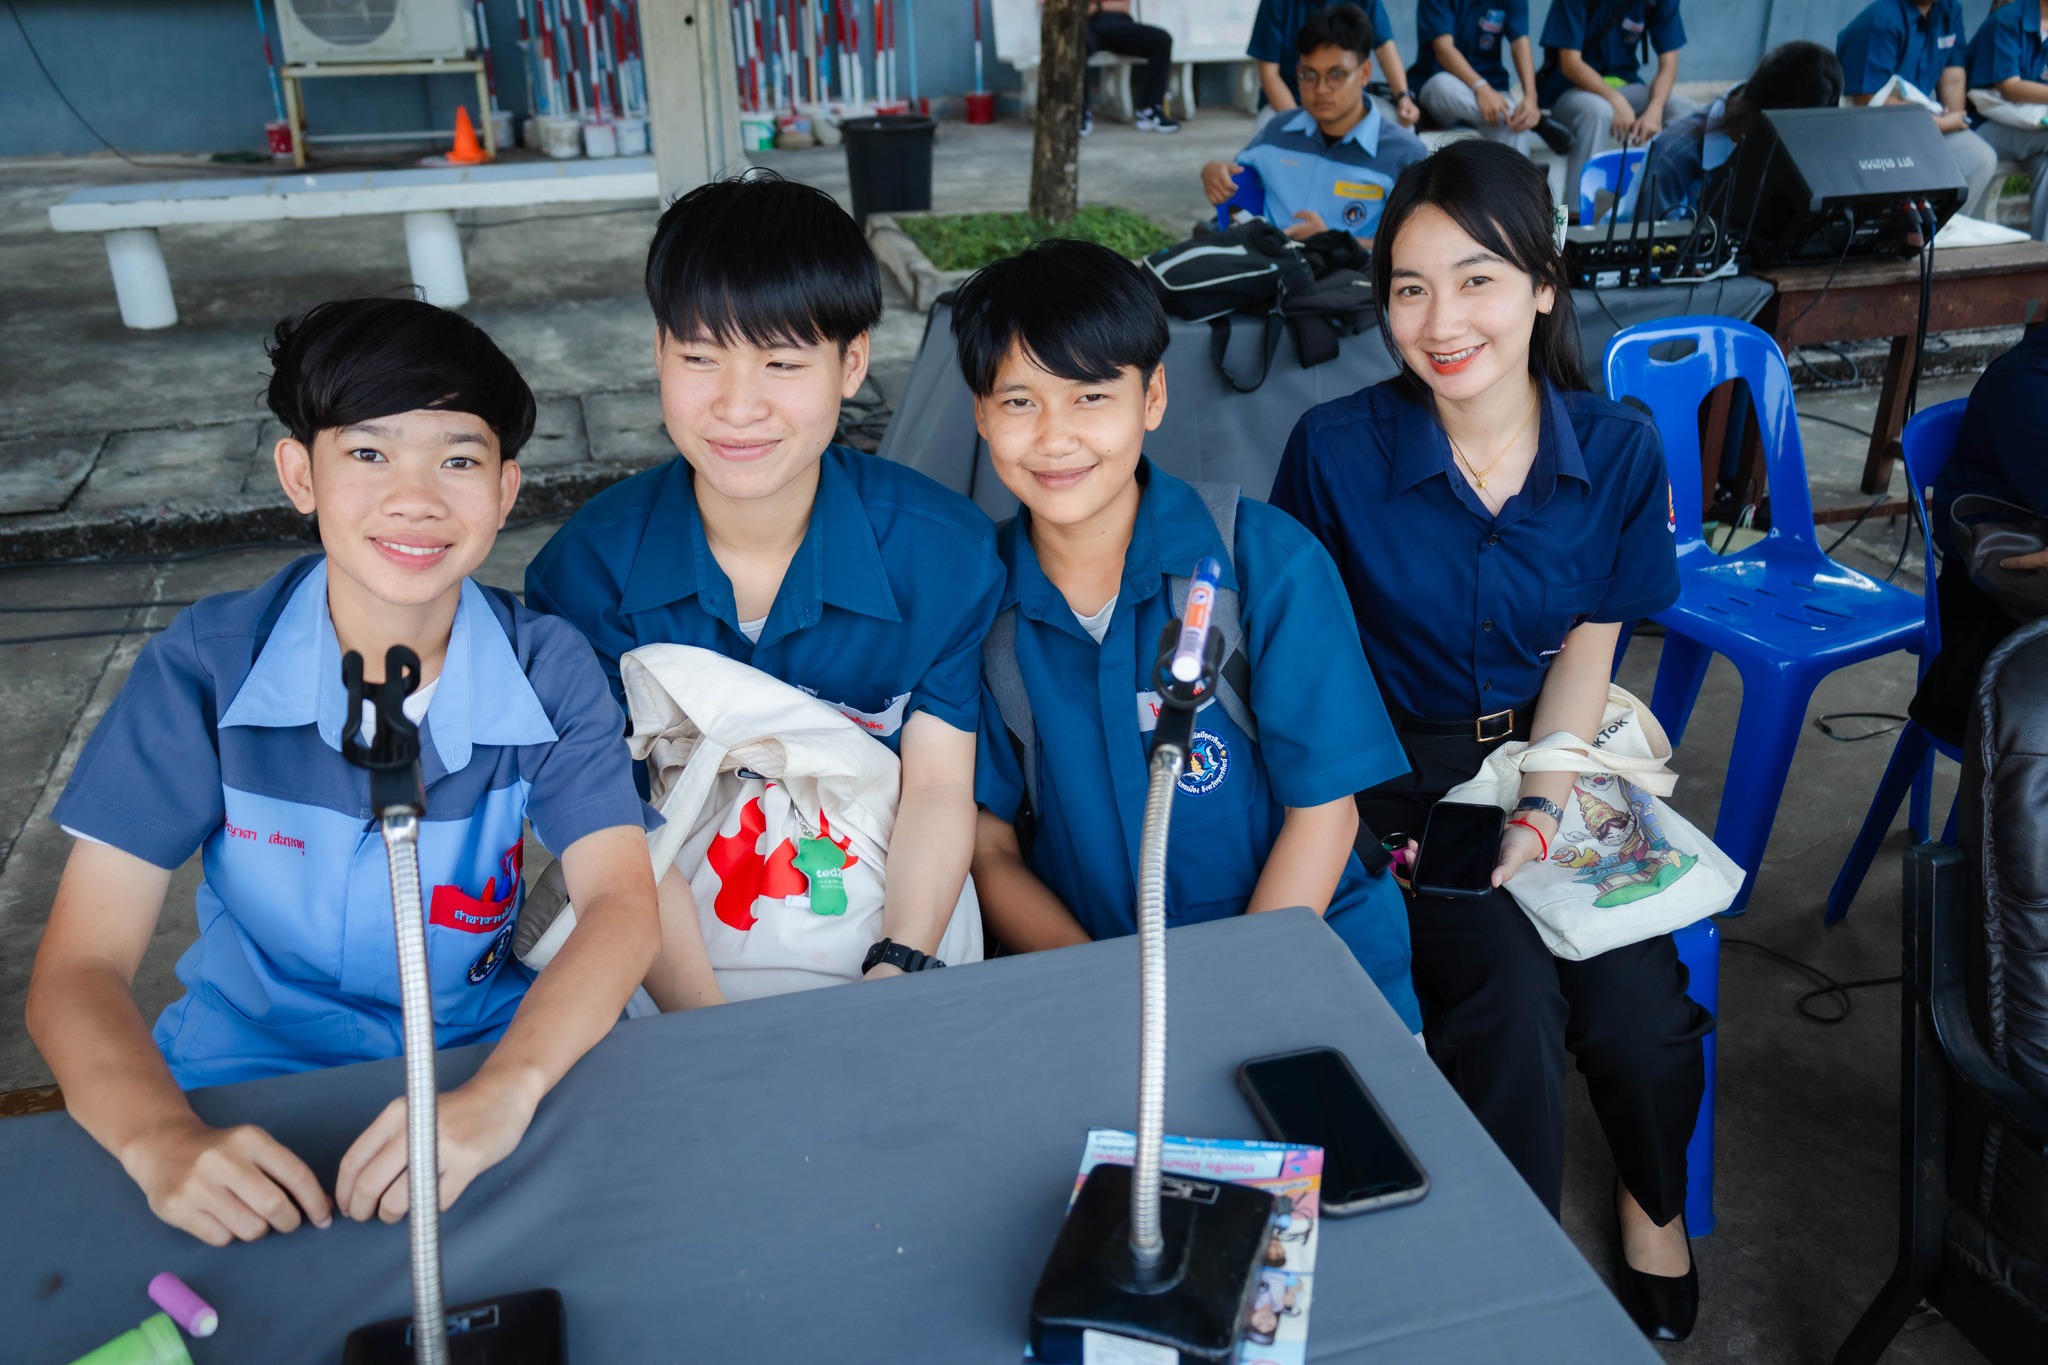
[
  {"x": 1250, "y": 196},
  {"x": 1926, "y": 445},
  {"x": 1722, "y": 349},
  {"x": 1610, "y": 171}
]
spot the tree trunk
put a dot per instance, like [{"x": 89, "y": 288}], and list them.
[{"x": 1062, "y": 77}]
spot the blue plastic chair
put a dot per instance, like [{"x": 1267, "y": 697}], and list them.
[
  {"x": 1250, "y": 196},
  {"x": 1783, "y": 612},
  {"x": 1699, "y": 948},
  {"x": 1927, "y": 442},
  {"x": 1611, "y": 171}
]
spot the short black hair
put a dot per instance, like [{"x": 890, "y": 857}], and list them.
[
  {"x": 354, "y": 360},
  {"x": 767, "y": 260},
  {"x": 1345, "y": 26},
  {"x": 1796, "y": 75},
  {"x": 1079, "y": 310}
]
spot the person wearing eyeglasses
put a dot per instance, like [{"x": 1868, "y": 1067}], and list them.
[{"x": 1272, "y": 49}]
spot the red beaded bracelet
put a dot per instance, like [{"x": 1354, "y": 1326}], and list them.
[{"x": 1539, "y": 836}]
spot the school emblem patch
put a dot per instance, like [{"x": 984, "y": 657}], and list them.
[
  {"x": 1354, "y": 214},
  {"x": 1208, "y": 764},
  {"x": 487, "y": 961}
]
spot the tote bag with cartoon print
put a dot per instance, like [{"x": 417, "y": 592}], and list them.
[{"x": 1623, "y": 865}]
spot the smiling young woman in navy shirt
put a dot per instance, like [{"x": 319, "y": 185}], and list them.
[{"x": 1495, "y": 524}]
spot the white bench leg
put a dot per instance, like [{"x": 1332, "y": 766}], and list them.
[
  {"x": 142, "y": 282},
  {"x": 434, "y": 248}
]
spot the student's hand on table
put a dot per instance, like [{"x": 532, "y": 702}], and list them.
[
  {"x": 2036, "y": 561},
  {"x": 225, "y": 1184},
  {"x": 1407, "y": 110},
  {"x": 1518, "y": 845},
  {"x": 481, "y": 1122},
  {"x": 1217, "y": 180},
  {"x": 1525, "y": 117},
  {"x": 1624, "y": 117},
  {"x": 1493, "y": 106},
  {"x": 1649, "y": 123},
  {"x": 1307, "y": 224}
]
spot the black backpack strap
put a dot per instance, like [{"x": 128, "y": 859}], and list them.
[{"x": 1219, "y": 350}]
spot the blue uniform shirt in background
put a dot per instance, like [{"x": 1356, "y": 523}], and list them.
[
  {"x": 1609, "y": 34},
  {"x": 1681, "y": 158},
  {"x": 2002, "y": 447},
  {"x": 226, "y": 739},
  {"x": 1347, "y": 182},
  {"x": 881, "y": 612},
  {"x": 2008, "y": 45},
  {"x": 1482, "y": 30},
  {"x": 1892, "y": 38},
  {"x": 1278, "y": 22},
  {"x": 1323, "y": 733},
  {"x": 1460, "y": 611}
]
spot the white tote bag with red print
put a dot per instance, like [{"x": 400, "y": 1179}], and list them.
[{"x": 778, "y": 809}]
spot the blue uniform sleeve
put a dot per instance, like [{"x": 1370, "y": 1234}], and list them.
[
  {"x": 584, "y": 783},
  {"x": 1667, "y": 30},
  {"x": 998, "y": 781},
  {"x": 1566, "y": 26},
  {"x": 1645, "y": 577},
  {"x": 1959, "y": 52},
  {"x": 1869, "y": 52},
  {"x": 148, "y": 781},
  {"x": 951, "y": 687},
  {"x": 572, "y": 579},
  {"x": 1518, "y": 23},
  {"x": 1382, "y": 24},
  {"x": 1270, "y": 40},
  {"x": 1995, "y": 56},
  {"x": 1323, "y": 731},
  {"x": 1433, "y": 19},
  {"x": 1296, "y": 487}
]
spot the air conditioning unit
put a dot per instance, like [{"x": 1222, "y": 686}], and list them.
[{"x": 333, "y": 32}]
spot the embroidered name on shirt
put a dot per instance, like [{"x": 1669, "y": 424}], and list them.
[
  {"x": 235, "y": 831},
  {"x": 884, "y": 722},
  {"x": 1946, "y": 40},
  {"x": 283, "y": 840}
]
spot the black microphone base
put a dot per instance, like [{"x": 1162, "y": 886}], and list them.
[
  {"x": 523, "y": 1328},
  {"x": 1197, "y": 1300}
]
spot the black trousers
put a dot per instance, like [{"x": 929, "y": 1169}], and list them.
[
  {"x": 1500, "y": 1014},
  {"x": 1125, "y": 36}
]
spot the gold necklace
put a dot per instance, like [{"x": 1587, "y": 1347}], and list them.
[{"x": 1479, "y": 475}]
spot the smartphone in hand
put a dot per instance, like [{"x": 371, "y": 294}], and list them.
[{"x": 1460, "y": 849}]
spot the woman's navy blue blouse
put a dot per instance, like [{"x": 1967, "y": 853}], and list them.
[{"x": 1460, "y": 610}]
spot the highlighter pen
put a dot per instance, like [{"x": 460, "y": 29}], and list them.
[
  {"x": 1194, "y": 625},
  {"x": 155, "y": 1342},
  {"x": 186, "y": 1308}
]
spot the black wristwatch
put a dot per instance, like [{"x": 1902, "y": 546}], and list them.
[
  {"x": 899, "y": 955},
  {"x": 1549, "y": 808}
]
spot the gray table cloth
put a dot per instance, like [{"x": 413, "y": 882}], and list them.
[
  {"x": 1212, "y": 432},
  {"x": 871, "y": 1172}
]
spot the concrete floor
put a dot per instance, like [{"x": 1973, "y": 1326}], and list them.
[{"x": 1807, "y": 1113}]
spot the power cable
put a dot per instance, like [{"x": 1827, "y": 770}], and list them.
[{"x": 1828, "y": 985}]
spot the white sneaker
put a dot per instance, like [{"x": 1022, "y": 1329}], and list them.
[
  {"x": 1087, "y": 122},
  {"x": 1156, "y": 121}
]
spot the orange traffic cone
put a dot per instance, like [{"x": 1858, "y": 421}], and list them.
[{"x": 468, "y": 151}]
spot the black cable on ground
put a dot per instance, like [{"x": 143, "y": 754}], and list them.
[
  {"x": 1827, "y": 986},
  {"x": 1824, "y": 722},
  {"x": 1861, "y": 517}
]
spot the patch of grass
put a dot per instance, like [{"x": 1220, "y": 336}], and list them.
[{"x": 968, "y": 241}]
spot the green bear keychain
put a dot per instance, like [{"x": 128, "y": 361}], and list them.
[{"x": 823, "y": 864}]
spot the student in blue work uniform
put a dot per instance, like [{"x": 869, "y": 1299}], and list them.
[
  {"x": 1461, "y": 74},
  {"x": 1273, "y": 51},
  {"x": 1686, "y": 157},
  {"x": 1061, "y": 346},
  {"x": 857, "y": 580},
  {"x": 404, "y": 422},
  {"x": 1592, "y": 77},
  {"x": 1495, "y": 524},
  {"x": 1921, "y": 42},
  {"x": 1329, "y": 166},
  {"x": 2010, "y": 55}
]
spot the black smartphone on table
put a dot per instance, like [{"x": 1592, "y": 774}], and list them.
[
  {"x": 1460, "y": 849},
  {"x": 1314, "y": 1097}
]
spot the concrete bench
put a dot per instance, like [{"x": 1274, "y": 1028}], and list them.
[
  {"x": 1115, "y": 90},
  {"x": 1244, "y": 77},
  {"x": 130, "y": 215}
]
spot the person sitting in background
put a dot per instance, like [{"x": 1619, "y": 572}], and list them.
[
  {"x": 2010, "y": 55},
  {"x": 1463, "y": 81},
  {"x": 1921, "y": 42},
  {"x": 2001, "y": 450},
  {"x": 1681, "y": 158},
  {"x": 1273, "y": 48},
  {"x": 1593, "y": 53},
  {"x": 1112, "y": 29},
  {"x": 1331, "y": 164}
]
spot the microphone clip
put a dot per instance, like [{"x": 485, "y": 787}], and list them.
[{"x": 393, "y": 754}]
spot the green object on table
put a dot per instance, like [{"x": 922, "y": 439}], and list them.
[
  {"x": 823, "y": 864},
  {"x": 155, "y": 1342}
]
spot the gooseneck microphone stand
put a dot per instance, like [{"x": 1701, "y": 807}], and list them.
[{"x": 1130, "y": 1262}]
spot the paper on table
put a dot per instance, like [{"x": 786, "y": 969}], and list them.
[{"x": 1963, "y": 231}]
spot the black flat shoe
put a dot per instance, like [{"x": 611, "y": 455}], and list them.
[{"x": 1663, "y": 1306}]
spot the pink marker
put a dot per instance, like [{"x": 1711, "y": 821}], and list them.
[{"x": 186, "y": 1308}]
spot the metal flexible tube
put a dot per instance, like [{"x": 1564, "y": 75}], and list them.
[
  {"x": 422, "y": 1133},
  {"x": 1146, "y": 1244}
]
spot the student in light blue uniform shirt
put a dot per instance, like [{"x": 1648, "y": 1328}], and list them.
[
  {"x": 1461, "y": 71},
  {"x": 2010, "y": 55},
  {"x": 1592, "y": 76},
  {"x": 1923, "y": 43},
  {"x": 1061, "y": 346},
  {"x": 404, "y": 423},
  {"x": 854, "y": 579},
  {"x": 1331, "y": 164}
]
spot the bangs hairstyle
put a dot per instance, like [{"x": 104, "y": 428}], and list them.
[
  {"x": 1342, "y": 26},
  {"x": 1502, "y": 201},
  {"x": 763, "y": 260},
  {"x": 355, "y": 360},
  {"x": 1078, "y": 310}
]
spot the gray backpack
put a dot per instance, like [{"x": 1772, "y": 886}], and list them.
[{"x": 1006, "y": 682}]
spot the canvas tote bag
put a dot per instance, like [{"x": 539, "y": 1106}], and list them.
[
  {"x": 1623, "y": 865},
  {"x": 778, "y": 809}
]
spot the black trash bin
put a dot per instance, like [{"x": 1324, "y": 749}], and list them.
[{"x": 889, "y": 161}]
